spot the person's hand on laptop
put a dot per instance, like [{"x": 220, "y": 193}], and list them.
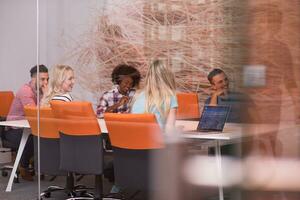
[
  {"x": 220, "y": 92},
  {"x": 215, "y": 94}
]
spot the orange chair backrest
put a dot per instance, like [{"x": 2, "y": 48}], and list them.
[
  {"x": 6, "y": 99},
  {"x": 188, "y": 106},
  {"x": 133, "y": 131},
  {"x": 76, "y": 118},
  {"x": 48, "y": 123}
]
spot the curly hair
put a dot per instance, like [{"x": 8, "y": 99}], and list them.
[{"x": 125, "y": 70}]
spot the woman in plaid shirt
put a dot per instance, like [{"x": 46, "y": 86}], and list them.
[{"x": 125, "y": 78}]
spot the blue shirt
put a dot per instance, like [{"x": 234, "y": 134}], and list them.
[
  {"x": 139, "y": 107},
  {"x": 237, "y": 102}
]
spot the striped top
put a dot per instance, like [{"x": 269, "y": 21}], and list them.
[{"x": 63, "y": 97}]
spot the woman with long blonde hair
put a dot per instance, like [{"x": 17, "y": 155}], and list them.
[
  {"x": 159, "y": 95},
  {"x": 60, "y": 85}
]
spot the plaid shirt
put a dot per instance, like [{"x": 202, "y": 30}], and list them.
[{"x": 112, "y": 97}]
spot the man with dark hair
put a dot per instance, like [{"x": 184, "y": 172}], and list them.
[
  {"x": 34, "y": 70},
  {"x": 221, "y": 95},
  {"x": 26, "y": 95},
  {"x": 219, "y": 85}
]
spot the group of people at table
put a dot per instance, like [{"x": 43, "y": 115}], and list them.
[{"x": 158, "y": 96}]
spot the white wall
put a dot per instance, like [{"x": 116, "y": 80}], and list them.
[
  {"x": 60, "y": 23},
  {"x": 18, "y": 42}
]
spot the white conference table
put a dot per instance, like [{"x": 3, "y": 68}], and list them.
[
  {"x": 26, "y": 132},
  {"x": 230, "y": 132}
]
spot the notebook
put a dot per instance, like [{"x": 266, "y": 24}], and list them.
[{"x": 213, "y": 118}]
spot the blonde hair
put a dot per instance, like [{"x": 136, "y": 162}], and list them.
[
  {"x": 159, "y": 88},
  {"x": 57, "y": 77}
]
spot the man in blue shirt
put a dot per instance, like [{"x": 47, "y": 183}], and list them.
[
  {"x": 222, "y": 96},
  {"x": 238, "y": 102}
]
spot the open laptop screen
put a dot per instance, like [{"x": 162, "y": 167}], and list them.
[{"x": 213, "y": 118}]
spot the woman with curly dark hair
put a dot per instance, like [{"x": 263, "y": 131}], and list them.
[{"x": 125, "y": 78}]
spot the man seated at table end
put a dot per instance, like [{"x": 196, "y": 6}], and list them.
[
  {"x": 239, "y": 104},
  {"x": 26, "y": 95},
  {"x": 221, "y": 95}
]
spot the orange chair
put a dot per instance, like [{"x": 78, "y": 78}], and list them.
[
  {"x": 81, "y": 146},
  {"x": 188, "y": 106},
  {"x": 6, "y": 99},
  {"x": 49, "y": 143},
  {"x": 134, "y": 138}
]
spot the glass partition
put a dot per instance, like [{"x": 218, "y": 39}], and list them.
[
  {"x": 18, "y": 76},
  {"x": 172, "y": 59}
]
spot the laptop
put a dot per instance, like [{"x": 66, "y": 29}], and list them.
[{"x": 213, "y": 118}]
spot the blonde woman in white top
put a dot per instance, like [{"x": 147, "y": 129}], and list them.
[{"x": 61, "y": 83}]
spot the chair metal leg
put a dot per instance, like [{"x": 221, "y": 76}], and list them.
[
  {"x": 80, "y": 191},
  {"x": 98, "y": 186},
  {"x": 52, "y": 178},
  {"x": 50, "y": 189},
  {"x": 70, "y": 181},
  {"x": 79, "y": 177}
]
